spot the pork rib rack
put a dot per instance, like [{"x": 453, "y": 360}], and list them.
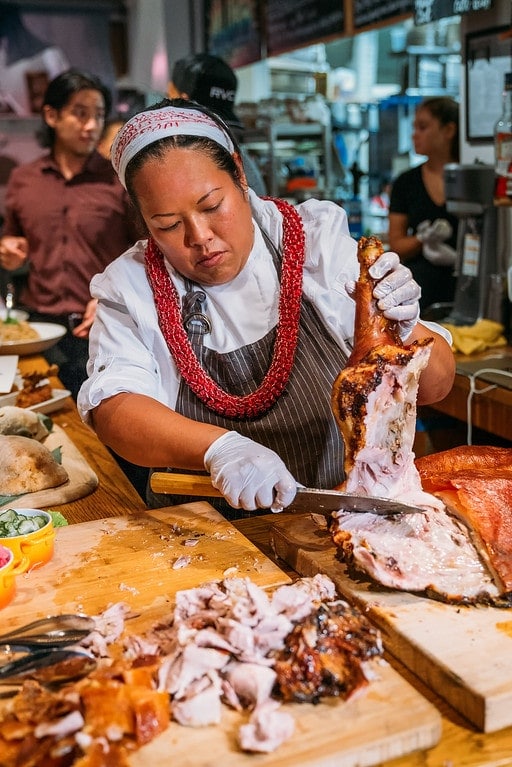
[{"x": 374, "y": 398}]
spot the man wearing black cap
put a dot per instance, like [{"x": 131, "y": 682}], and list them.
[{"x": 211, "y": 82}]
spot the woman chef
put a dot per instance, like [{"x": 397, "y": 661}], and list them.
[{"x": 218, "y": 339}]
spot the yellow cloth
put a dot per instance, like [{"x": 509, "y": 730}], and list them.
[{"x": 469, "y": 339}]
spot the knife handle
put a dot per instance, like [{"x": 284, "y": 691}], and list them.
[{"x": 183, "y": 484}]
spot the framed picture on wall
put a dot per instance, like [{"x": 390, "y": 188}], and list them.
[{"x": 488, "y": 58}]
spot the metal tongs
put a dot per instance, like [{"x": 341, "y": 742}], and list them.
[
  {"x": 47, "y": 643},
  {"x": 52, "y": 631}
]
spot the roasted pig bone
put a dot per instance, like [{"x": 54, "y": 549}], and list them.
[{"x": 371, "y": 328}]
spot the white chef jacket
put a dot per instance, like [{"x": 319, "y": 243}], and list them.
[{"x": 128, "y": 352}]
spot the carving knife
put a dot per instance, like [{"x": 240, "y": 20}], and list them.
[{"x": 308, "y": 499}]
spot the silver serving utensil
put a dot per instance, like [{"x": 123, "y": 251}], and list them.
[
  {"x": 48, "y": 666},
  {"x": 9, "y": 305},
  {"x": 51, "y": 631}
]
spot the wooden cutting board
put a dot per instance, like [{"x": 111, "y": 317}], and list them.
[
  {"x": 463, "y": 653},
  {"x": 81, "y": 478},
  {"x": 131, "y": 560}
]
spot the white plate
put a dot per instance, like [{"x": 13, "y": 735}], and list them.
[
  {"x": 8, "y": 368},
  {"x": 48, "y": 406},
  {"x": 49, "y": 334}
]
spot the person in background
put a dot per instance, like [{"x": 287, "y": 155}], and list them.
[
  {"x": 210, "y": 81},
  {"x": 110, "y": 131},
  {"x": 67, "y": 216},
  {"x": 421, "y": 230},
  {"x": 180, "y": 374}
]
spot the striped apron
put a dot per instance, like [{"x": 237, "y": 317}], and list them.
[{"x": 300, "y": 426}]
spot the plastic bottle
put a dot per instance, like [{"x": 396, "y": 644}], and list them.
[{"x": 503, "y": 148}]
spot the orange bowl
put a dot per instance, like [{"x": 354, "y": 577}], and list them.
[
  {"x": 7, "y": 576},
  {"x": 31, "y": 549}
]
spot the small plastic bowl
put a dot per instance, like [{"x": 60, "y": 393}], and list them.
[
  {"x": 7, "y": 576},
  {"x": 31, "y": 549}
]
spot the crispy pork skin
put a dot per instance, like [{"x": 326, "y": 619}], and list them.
[
  {"x": 324, "y": 654},
  {"x": 475, "y": 484}
]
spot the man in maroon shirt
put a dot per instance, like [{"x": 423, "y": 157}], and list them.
[{"x": 67, "y": 217}]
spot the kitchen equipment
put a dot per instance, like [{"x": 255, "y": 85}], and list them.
[
  {"x": 469, "y": 193},
  {"x": 53, "y": 630},
  {"x": 37, "y": 665},
  {"x": 9, "y": 304},
  {"x": 460, "y": 652},
  {"x": 307, "y": 498},
  {"x": 131, "y": 559}
]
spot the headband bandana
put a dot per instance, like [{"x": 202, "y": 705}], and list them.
[{"x": 146, "y": 128}]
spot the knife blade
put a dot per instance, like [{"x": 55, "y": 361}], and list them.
[{"x": 307, "y": 499}]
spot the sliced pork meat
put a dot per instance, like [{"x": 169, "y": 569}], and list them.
[
  {"x": 250, "y": 683},
  {"x": 268, "y": 727},
  {"x": 374, "y": 399},
  {"x": 462, "y": 553},
  {"x": 239, "y": 622},
  {"x": 222, "y": 645},
  {"x": 430, "y": 553}
]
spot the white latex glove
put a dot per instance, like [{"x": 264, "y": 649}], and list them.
[
  {"x": 249, "y": 475},
  {"x": 440, "y": 254},
  {"x": 397, "y": 293},
  {"x": 432, "y": 234}
]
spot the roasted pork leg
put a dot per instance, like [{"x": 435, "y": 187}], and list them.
[{"x": 374, "y": 398}]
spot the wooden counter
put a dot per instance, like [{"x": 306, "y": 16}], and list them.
[
  {"x": 491, "y": 409},
  {"x": 115, "y": 496},
  {"x": 461, "y": 744}
]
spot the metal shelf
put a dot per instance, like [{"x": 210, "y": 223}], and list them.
[{"x": 266, "y": 140}]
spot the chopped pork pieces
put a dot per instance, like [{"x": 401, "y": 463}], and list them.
[{"x": 227, "y": 642}]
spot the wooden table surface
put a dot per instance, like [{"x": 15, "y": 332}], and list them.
[
  {"x": 114, "y": 496},
  {"x": 461, "y": 744},
  {"x": 491, "y": 408}
]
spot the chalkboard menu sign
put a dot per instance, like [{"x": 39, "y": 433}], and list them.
[
  {"x": 232, "y": 30},
  {"x": 292, "y": 23},
  {"x": 431, "y": 10},
  {"x": 372, "y": 11}
]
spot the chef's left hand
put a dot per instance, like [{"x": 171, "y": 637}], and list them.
[{"x": 397, "y": 293}]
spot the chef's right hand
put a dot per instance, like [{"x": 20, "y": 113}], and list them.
[
  {"x": 13, "y": 252},
  {"x": 249, "y": 475}
]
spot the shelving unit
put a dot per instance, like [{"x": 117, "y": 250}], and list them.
[
  {"x": 432, "y": 71},
  {"x": 278, "y": 143}
]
